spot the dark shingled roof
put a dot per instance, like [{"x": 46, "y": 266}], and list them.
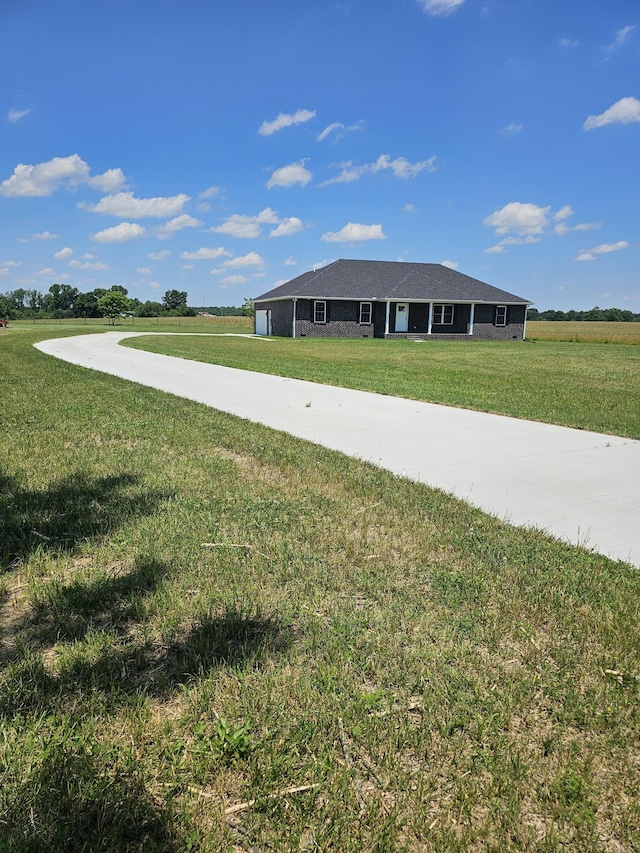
[{"x": 397, "y": 280}]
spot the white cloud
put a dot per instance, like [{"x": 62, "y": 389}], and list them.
[
  {"x": 495, "y": 250},
  {"x": 512, "y": 129},
  {"x": 109, "y": 182},
  {"x": 15, "y": 115},
  {"x": 354, "y": 232},
  {"x": 234, "y": 279},
  {"x": 205, "y": 254},
  {"x": 621, "y": 37},
  {"x": 252, "y": 259},
  {"x": 63, "y": 253},
  {"x": 624, "y": 111},
  {"x": 288, "y": 176},
  {"x": 178, "y": 223},
  {"x": 285, "y": 120},
  {"x": 47, "y": 271},
  {"x": 566, "y": 42},
  {"x": 524, "y": 219},
  {"x": 187, "y": 266},
  {"x": 440, "y": 7},
  {"x": 45, "y": 235},
  {"x": 143, "y": 270},
  {"x": 159, "y": 256},
  {"x": 247, "y": 227},
  {"x": 401, "y": 168},
  {"x": 339, "y": 130},
  {"x": 43, "y": 179},
  {"x": 290, "y": 262},
  {"x": 288, "y": 226},
  {"x": 602, "y": 249},
  {"x": 126, "y": 205},
  {"x": 210, "y": 192},
  {"x": 154, "y": 285},
  {"x": 410, "y": 208},
  {"x": 562, "y": 228},
  {"x": 96, "y": 265},
  {"x": 332, "y": 128},
  {"x": 119, "y": 233},
  {"x": 452, "y": 265},
  {"x": 519, "y": 241},
  {"x": 564, "y": 213}
]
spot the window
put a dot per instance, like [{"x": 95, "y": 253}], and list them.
[
  {"x": 319, "y": 312},
  {"x": 443, "y": 315},
  {"x": 365, "y": 313},
  {"x": 501, "y": 315}
]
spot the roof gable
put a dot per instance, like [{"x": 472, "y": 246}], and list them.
[{"x": 395, "y": 280}]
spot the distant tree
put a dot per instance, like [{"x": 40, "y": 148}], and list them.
[
  {"x": 595, "y": 314},
  {"x": 112, "y": 304},
  {"x": 61, "y": 297},
  {"x": 149, "y": 309},
  {"x": 6, "y": 309},
  {"x": 86, "y": 304},
  {"x": 175, "y": 300},
  {"x": 614, "y": 315}
]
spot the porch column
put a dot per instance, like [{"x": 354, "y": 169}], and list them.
[
  {"x": 386, "y": 318},
  {"x": 473, "y": 307},
  {"x": 430, "y": 323},
  {"x": 294, "y": 317}
]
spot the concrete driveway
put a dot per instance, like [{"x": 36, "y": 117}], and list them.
[{"x": 579, "y": 486}]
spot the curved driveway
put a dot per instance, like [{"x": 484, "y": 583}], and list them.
[{"x": 579, "y": 486}]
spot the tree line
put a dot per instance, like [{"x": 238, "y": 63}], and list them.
[
  {"x": 63, "y": 301},
  {"x": 611, "y": 315}
]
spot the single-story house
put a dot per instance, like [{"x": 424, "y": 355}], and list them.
[{"x": 390, "y": 299}]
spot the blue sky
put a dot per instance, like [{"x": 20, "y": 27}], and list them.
[{"x": 224, "y": 146}]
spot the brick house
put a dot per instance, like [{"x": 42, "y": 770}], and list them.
[{"x": 387, "y": 299}]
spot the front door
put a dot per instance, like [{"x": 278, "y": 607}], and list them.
[{"x": 402, "y": 316}]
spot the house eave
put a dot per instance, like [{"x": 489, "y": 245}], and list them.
[{"x": 383, "y": 299}]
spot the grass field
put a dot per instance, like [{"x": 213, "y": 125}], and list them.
[
  {"x": 588, "y": 386},
  {"x": 216, "y": 637},
  {"x": 590, "y": 332}
]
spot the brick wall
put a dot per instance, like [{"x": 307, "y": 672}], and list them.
[{"x": 342, "y": 320}]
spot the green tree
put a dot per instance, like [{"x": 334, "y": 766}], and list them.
[
  {"x": 61, "y": 297},
  {"x": 86, "y": 304},
  {"x": 149, "y": 309},
  {"x": 248, "y": 308},
  {"x": 175, "y": 300},
  {"x": 112, "y": 304}
]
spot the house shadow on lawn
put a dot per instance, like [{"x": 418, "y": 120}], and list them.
[{"x": 71, "y": 510}]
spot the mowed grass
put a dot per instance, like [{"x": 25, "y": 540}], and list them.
[
  {"x": 217, "y": 637},
  {"x": 587, "y": 386}
]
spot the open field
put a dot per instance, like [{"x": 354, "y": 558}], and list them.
[
  {"x": 585, "y": 332},
  {"x": 147, "y": 324},
  {"x": 216, "y": 637},
  {"x": 588, "y": 386}
]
